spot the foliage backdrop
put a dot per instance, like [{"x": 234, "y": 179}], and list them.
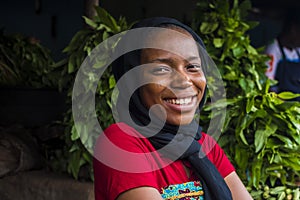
[
  {"x": 261, "y": 134},
  {"x": 262, "y": 129}
]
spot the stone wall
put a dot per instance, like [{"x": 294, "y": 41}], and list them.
[{"x": 43, "y": 185}]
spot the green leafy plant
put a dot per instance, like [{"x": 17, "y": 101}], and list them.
[
  {"x": 24, "y": 62},
  {"x": 75, "y": 152},
  {"x": 261, "y": 133}
]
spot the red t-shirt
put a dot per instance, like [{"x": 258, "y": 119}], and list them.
[{"x": 123, "y": 160}]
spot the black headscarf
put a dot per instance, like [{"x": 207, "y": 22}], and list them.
[{"x": 174, "y": 141}]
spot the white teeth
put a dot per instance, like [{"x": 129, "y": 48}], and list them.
[{"x": 180, "y": 101}]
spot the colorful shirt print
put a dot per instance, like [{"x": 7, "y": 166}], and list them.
[{"x": 185, "y": 191}]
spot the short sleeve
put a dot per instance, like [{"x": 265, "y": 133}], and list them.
[
  {"x": 216, "y": 155},
  {"x": 110, "y": 183},
  {"x": 114, "y": 170}
]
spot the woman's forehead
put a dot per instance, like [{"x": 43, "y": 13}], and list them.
[{"x": 173, "y": 41}]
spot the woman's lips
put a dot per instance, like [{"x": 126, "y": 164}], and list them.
[
  {"x": 179, "y": 101},
  {"x": 184, "y": 104}
]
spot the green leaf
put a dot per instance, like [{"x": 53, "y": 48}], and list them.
[
  {"x": 222, "y": 103},
  {"x": 231, "y": 76},
  {"x": 256, "y": 172},
  {"x": 261, "y": 136},
  {"x": 242, "y": 157},
  {"x": 105, "y": 35},
  {"x": 218, "y": 42},
  {"x": 88, "y": 157},
  {"x": 74, "y": 134},
  {"x": 287, "y": 141},
  {"x": 250, "y": 104},
  {"x": 71, "y": 64},
  {"x": 251, "y": 50},
  {"x": 107, "y": 19},
  {"x": 288, "y": 95},
  {"x": 238, "y": 51},
  {"x": 207, "y": 27},
  {"x": 85, "y": 133},
  {"x": 112, "y": 82},
  {"x": 74, "y": 147},
  {"x": 90, "y": 22}
]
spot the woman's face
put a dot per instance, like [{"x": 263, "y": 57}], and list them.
[{"x": 177, "y": 80}]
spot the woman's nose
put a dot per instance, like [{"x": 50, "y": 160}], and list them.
[{"x": 181, "y": 80}]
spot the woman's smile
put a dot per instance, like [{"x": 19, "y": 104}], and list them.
[{"x": 183, "y": 104}]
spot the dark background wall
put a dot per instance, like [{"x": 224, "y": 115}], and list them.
[
  {"x": 54, "y": 22},
  {"x": 136, "y": 9}
]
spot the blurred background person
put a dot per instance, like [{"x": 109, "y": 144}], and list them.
[{"x": 284, "y": 65}]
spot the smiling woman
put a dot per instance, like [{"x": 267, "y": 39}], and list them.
[
  {"x": 166, "y": 154},
  {"x": 178, "y": 80}
]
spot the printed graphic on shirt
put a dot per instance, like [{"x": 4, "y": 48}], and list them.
[{"x": 185, "y": 191}]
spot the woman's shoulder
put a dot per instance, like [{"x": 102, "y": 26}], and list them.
[
  {"x": 210, "y": 146},
  {"x": 120, "y": 127},
  {"x": 216, "y": 155},
  {"x": 206, "y": 139},
  {"x": 121, "y": 131},
  {"x": 124, "y": 136}
]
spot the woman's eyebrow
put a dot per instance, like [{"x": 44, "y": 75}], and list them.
[
  {"x": 161, "y": 60},
  {"x": 191, "y": 58},
  {"x": 170, "y": 60}
]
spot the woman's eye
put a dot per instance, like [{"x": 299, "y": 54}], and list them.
[
  {"x": 194, "y": 68},
  {"x": 161, "y": 70}
]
